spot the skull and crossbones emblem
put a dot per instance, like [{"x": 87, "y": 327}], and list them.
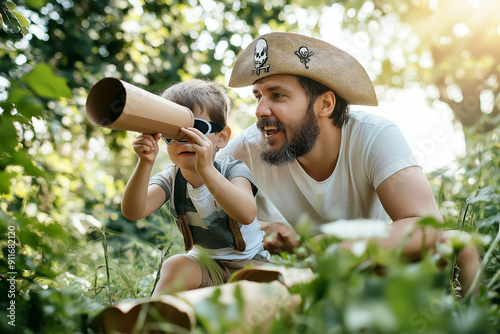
[
  {"x": 260, "y": 57},
  {"x": 304, "y": 55}
]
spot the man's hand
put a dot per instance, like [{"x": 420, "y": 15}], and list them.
[{"x": 279, "y": 237}]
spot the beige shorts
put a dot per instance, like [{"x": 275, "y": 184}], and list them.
[{"x": 217, "y": 272}]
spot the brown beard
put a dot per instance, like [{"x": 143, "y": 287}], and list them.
[{"x": 299, "y": 140}]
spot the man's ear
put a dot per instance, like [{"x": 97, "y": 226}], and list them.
[
  {"x": 326, "y": 103},
  {"x": 223, "y": 137}
]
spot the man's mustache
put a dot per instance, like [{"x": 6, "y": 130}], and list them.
[{"x": 264, "y": 122}]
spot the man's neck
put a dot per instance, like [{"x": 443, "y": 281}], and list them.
[{"x": 320, "y": 163}]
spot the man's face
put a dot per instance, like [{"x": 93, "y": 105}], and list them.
[{"x": 287, "y": 122}]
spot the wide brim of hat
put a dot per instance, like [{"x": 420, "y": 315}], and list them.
[{"x": 323, "y": 62}]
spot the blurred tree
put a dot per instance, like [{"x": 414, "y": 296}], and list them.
[{"x": 450, "y": 47}]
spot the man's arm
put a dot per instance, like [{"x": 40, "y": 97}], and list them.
[{"x": 407, "y": 197}]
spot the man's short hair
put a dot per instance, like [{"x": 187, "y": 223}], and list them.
[
  {"x": 314, "y": 89},
  {"x": 203, "y": 93}
]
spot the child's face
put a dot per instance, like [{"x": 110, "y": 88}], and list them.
[{"x": 182, "y": 154}]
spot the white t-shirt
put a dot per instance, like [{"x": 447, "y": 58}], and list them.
[{"x": 372, "y": 149}]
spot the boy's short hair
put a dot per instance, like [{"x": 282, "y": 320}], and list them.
[{"x": 203, "y": 93}]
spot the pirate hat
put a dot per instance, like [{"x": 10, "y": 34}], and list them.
[{"x": 289, "y": 53}]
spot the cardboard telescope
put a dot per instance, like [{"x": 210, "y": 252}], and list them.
[{"x": 116, "y": 104}]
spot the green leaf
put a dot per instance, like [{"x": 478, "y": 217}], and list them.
[
  {"x": 8, "y": 136},
  {"x": 430, "y": 221},
  {"x": 28, "y": 237},
  {"x": 21, "y": 158},
  {"x": 486, "y": 194},
  {"x": 5, "y": 181},
  {"x": 26, "y": 103},
  {"x": 11, "y": 19},
  {"x": 36, "y": 4},
  {"x": 485, "y": 224},
  {"x": 46, "y": 84},
  {"x": 10, "y": 5},
  {"x": 55, "y": 230},
  {"x": 7, "y": 108},
  {"x": 25, "y": 221},
  {"x": 23, "y": 22}
]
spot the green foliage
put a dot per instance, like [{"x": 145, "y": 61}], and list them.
[
  {"x": 43, "y": 81},
  {"x": 61, "y": 179},
  {"x": 349, "y": 297}
]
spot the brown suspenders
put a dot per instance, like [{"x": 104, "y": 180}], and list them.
[{"x": 182, "y": 223}]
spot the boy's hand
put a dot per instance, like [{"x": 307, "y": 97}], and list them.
[
  {"x": 146, "y": 146},
  {"x": 202, "y": 147}
]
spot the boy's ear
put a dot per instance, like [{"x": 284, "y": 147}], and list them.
[{"x": 223, "y": 137}]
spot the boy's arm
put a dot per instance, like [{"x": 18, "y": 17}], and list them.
[
  {"x": 235, "y": 197},
  {"x": 140, "y": 200}
]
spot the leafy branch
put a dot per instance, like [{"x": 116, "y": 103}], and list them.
[{"x": 13, "y": 18}]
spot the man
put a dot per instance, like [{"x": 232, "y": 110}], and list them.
[{"x": 314, "y": 159}]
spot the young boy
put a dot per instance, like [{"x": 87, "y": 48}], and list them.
[{"x": 212, "y": 201}]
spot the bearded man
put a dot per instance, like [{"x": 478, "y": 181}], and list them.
[{"x": 316, "y": 160}]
